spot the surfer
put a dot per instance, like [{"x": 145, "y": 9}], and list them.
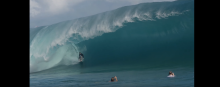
[
  {"x": 114, "y": 79},
  {"x": 171, "y": 73},
  {"x": 81, "y": 56}
]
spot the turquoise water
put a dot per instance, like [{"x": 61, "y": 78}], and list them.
[
  {"x": 133, "y": 78},
  {"x": 139, "y": 44}
]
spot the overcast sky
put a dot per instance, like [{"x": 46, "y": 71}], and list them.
[{"x": 47, "y": 12}]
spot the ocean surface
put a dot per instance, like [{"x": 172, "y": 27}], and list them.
[{"x": 139, "y": 44}]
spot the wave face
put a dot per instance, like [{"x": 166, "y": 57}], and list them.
[{"x": 155, "y": 34}]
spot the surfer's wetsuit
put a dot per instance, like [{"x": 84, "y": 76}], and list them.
[{"x": 81, "y": 55}]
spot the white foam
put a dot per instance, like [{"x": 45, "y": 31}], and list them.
[
  {"x": 171, "y": 76},
  {"x": 160, "y": 14}
]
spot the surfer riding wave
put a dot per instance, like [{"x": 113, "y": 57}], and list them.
[{"x": 81, "y": 57}]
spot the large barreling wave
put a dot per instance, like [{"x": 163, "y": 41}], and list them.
[{"x": 147, "y": 33}]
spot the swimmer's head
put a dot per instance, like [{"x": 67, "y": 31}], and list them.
[
  {"x": 170, "y": 72},
  {"x": 112, "y": 79}
]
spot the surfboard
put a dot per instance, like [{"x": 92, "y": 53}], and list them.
[
  {"x": 81, "y": 60},
  {"x": 171, "y": 76}
]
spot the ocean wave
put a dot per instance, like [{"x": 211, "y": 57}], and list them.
[{"x": 50, "y": 45}]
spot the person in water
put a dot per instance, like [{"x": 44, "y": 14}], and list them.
[
  {"x": 81, "y": 56},
  {"x": 171, "y": 73},
  {"x": 114, "y": 79}
]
